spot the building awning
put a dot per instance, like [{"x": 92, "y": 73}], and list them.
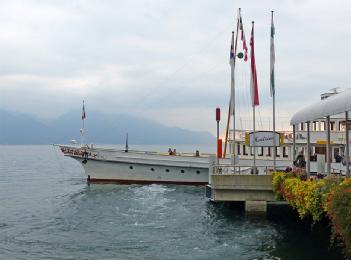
[{"x": 333, "y": 105}]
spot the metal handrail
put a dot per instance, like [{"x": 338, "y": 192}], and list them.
[
  {"x": 185, "y": 154},
  {"x": 242, "y": 169}
]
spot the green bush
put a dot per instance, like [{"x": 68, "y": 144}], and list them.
[
  {"x": 339, "y": 212},
  {"x": 317, "y": 197}
]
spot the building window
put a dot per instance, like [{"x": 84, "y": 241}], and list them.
[
  {"x": 322, "y": 128},
  {"x": 285, "y": 154},
  {"x": 152, "y": 169},
  {"x": 252, "y": 150},
  {"x": 277, "y": 151},
  {"x": 238, "y": 148},
  {"x": 342, "y": 126},
  {"x": 182, "y": 171},
  {"x": 314, "y": 126},
  {"x": 332, "y": 126},
  {"x": 197, "y": 172},
  {"x": 261, "y": 151},
  {"x": 167, "y": 170},
  {"x": 244, "y": 150},
  {"x": 301, "y": 126},
  {"x": 269, "y": 151},
  {"x": 131, "y": 167}
]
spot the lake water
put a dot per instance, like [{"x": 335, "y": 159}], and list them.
[{"x": 47, "y": 211}]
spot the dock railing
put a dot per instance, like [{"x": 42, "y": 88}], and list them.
[{"x": 245, "y": 169}]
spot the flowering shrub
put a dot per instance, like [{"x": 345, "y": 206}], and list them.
[
  {"x": 278, "y": 179},
  {"x": 339, "y": 211},
  {"x": 318, "y": 197},
  {"x": 305, "y": 196}
]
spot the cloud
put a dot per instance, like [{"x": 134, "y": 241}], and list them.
[{"x": 167, "y": 59}]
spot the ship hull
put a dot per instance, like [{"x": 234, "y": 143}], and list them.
[{"x": 110, "y": 166}]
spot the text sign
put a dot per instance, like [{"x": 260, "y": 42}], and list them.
[{"x": 263, "y": 138}]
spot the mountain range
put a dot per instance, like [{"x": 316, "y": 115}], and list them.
[{"x": 100, "y": 128}]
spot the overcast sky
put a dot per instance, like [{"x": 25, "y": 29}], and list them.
[{"x": 167, "y": 59}]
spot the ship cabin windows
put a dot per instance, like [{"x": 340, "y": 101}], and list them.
[
  {"x": 260, "y": 151},
  {"x": 131, "y": 167},
  {"x": 167, "y": 170},
  {"x": 182, "y": 171},
  {"x": 268, "y": 152},
  {"x": 244, "y": 150},
  {"x": 197, "y": 172},
  {"x": 285, "y": 154},
  {"x": 349, "y": 125},
  {"x": 302, "y": 150},
  {"x": 315, "y": 126},
  {"x": 152, "y": 169},
  {"x": 338, "y": 154},
  {"x": 342, "y": 126},
  {"x": 322, "y": 126},
  {"x": 302, "y": 126},
  {"x": 277, "y": 151}
]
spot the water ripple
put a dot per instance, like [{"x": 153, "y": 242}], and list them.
[{"x": 47, "y": 211}]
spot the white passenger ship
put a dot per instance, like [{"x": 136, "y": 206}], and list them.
[{"x": 125, "y": 167}]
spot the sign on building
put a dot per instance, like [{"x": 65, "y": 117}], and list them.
[{"x": 264, "y": 138}]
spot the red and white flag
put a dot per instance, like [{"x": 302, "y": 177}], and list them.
[
  {"x": 254, "y": 86},
  {"x": 241, "y": 28}
]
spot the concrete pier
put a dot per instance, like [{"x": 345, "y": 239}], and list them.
[
  {"x": 254, "y": 190},
  {"x": 256, "y": 207}
]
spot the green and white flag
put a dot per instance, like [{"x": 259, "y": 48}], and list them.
[{"x": 272, "y": 59}]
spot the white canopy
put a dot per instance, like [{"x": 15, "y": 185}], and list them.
[{"x": 332, "y": 105}]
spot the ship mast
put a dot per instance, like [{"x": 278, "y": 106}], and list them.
[
  {"x": 231, "y": 108},
  {"x": 82, "y": 130}
]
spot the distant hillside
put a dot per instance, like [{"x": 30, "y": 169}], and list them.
[{"x": 100, "y": 129}]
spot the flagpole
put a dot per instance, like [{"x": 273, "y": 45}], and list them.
[
  {"x": 83, "y": 127},
  {"x": 273, "y": 93},
  {"x": 253, "y": 105},
  {"x": 254, "y": 131},
  {"x": 83, "y": 130},
  {"x": 254, "y": 93},
  {"x": 230, "y": 102},
  {"x": 227, "y": 128},
  {"x": 233, "y": 101},
  {"x": 127, "y": 147}
]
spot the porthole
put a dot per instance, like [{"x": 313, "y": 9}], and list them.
[
  {"x": 167, "y": 170},
  {"x": 131, "y": 167},
  {"x": 182, "y": 171},
  {"x": 197, "y": 172},
  {"x": 152, "y": 169}
]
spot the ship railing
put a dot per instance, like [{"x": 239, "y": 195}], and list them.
[
  {"x": 185, "y": 154},
  {"x": 246, "y": 169}
]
